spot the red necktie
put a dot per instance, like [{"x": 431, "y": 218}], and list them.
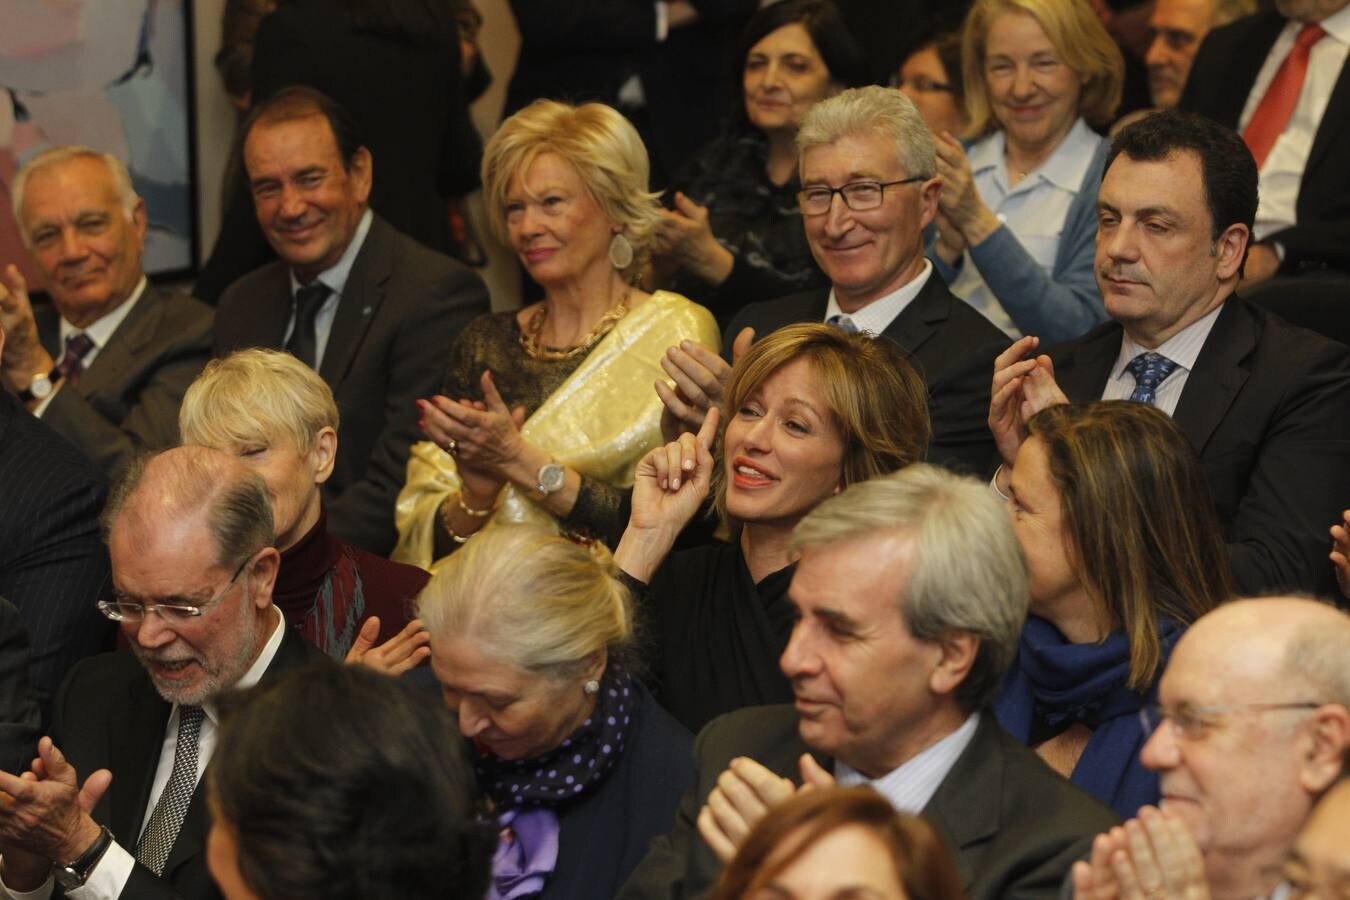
[{"x": 1275, "y": 108}]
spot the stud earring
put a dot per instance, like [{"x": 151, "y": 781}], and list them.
[{"x": 592, "y": 687}]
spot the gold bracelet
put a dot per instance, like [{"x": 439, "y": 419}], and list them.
[
  {"x": 449, "y": 529},
  {"x": 470, "y": 511}
]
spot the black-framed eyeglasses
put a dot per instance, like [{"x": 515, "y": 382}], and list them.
[
  {"x": 859, "y": 196},
  {"x": 122, "y": 608},
  {"x": 921, "y": 83},
  {"x": 1193, "y": 722}
]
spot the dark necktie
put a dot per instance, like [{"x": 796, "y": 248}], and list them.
[
  {"x": 843, "y": 323},
  {"x": 1149, "y": 370},
  {"x": 71, "y": 365},
  {"x": 1277, "y": 104},
  {"x": 303, "y": 343},
  {"x": 167, "y": 818}
]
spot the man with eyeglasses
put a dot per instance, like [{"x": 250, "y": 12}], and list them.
[
  {"x": 1252, "y": 726},
  {"x": 111, "y": 807},
  {"x": 868, "y": 192}
]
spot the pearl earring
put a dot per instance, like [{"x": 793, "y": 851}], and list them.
[{"x": 592, "y": 687}]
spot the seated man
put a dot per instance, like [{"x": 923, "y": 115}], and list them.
[
  {"x": 190, "y": 535},
  {"x": 1178, "y": 27},
  {"x": 1280, "y": 79},
  {"x": 1252, "y": 726},
  {"x": 106, "y": 361},
  {"x": 1266, "y": 405},
  {"x": 53, "y": 563},
  {"x": 367, "y": 307},
  {"x": 880, "y": 280},
  {"x": 911, "y": 594}
]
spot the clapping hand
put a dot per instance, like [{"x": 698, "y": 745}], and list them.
[
  {"x": 745, "y": 793},
  {"x": 960, "y": 202},
  {"x": 403, "y": 651},
  {"x": 1023, "y": 386},
  {"x": 1340, "y": 552},
  {"x": 483, "y": 435},
  {"x": 26, "y": 354},
  {"x": 1151, "y": 856},
  {"x": 700, "y": 377},
  {"x": 685, "y": 236}
]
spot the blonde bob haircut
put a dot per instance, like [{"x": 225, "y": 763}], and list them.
[
  {"x": 1079, "y": 38},
  {"x": 542, "y": 602},
  {"x": 256, "y": 396},
  {"x": 599, "y": 143},
  {"x": 871, "y": 392}
]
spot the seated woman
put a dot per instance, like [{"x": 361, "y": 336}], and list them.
[
  {"x": 808, "y": 410},
  {"x": 336, "y": 783},
  {"x": 1124, "y": 551},
  {"x": 546, "y": 411},
  {"x": 1017, "y": 222},
  {"x": 931, "y": 77},
  {"x": 530, "y": 641},
  {"x": 840, "y": 842},
  {"x": 278, "y": 416},
  {"x": 735, "y": 234}
]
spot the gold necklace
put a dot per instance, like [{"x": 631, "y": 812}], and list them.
[{"x": 529, "y": 338}]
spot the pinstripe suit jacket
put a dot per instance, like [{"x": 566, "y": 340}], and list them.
[{"x": 53, "y": 563}]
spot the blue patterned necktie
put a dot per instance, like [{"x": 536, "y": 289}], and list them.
[
  {"x": 1149, "y": 370},
  {"x": 843, "y": 323}
]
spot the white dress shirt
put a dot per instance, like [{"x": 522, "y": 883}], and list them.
[
  {"x": 1282, "y": 172},
  {"x": 877, "y": 316},
  {"x": 1182, "y": 348},
  {"x": 99, "y": 334},
  {"x": 336, "y": 280},
  {"x": 913, "y": 784},
  {"x": 109, "y": 877}
]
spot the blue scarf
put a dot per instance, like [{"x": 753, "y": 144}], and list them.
[{"x": 1061, "y": 683}]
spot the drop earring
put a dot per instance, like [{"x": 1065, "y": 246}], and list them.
[{"x": 620, "y": 251}]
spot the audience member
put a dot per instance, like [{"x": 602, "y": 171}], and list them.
[
  {"x": 278, "y": 416},
  {"x": 1127, "y": 22},
  {"x": 106, "y": 361},
  {"x": 735, "y": 233},
  {"x": 1319, "y": 866},
  {"x": 20, "y": 716},
  {"x": 931, "y": 76},
  {"x": 531, "y": 639},
  {"x": 1265, "y": 404},
  {"x": 367, "y": 307},
  {"x": 53, "y": 564},
  {"x": 239, "y": 21},
  {"x": 542, "y": 415},
  {"x": 871, "y": 148},
  {"x": 1277, "y": 77},
  {"x": 1178, "y": 27},
  {"x": 190, "y": 533},
  {"x": 336, "y": 783},
  {"x": 841, "y": 842},
  {"x": 809, "y": 410},
  {"x": 1113, "y": 513},
  {"x": 1016, "y": 219},
  {"x": 1252, "y": 727},
  {"x": 1340, "y": 553},
  {"x": 910, "y": 592}
]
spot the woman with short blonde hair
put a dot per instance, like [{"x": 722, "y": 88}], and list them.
[{"x": 545, "y": 411}]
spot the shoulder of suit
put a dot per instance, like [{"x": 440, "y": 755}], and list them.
[
  {"x": 804, "y": 306},
  {"x": 257, "y": 286},
  {"x": 96, "y": 675},
  {"x": 752, "y": 727}
]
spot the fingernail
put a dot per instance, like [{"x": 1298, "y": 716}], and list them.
[{"x": 675, "y": 484}]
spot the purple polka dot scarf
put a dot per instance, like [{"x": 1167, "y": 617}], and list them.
[{"x": 575, "y": 767}]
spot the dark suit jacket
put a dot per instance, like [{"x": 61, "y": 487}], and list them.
[
  {"x": 108, "y": 715},
  {"x": 950, "y": 345},
  {"x": 53, "y": 562},
  {"x": 1221, "y": 79},
  {"x": 1014, "y": 826},
  {"x": 20, "y": 719},
  {"x": 397, "y": 318},
  {"x": 1267, "y": 407},
  {"x": 128, "y": 398}
]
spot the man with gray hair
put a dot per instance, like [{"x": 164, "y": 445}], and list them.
[
  {"x": 869, "y": 189},
  {"x": 105, "y": 360},
  {"x": 193, "y": 567},
  {"x": 911, "y": 593},
  {"x": 1252, "y": 726}
]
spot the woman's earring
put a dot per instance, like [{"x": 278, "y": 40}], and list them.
[
  {"x": 592, "y": 687},
  {"x": 620, "y": 251}
]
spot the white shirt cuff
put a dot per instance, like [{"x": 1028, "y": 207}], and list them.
[
  {"x": 109, "y": 877},
  {"x": 47, "y": 400}
]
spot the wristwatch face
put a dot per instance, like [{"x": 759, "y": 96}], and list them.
[
  {"x": 67, "y": 877},
  {"x": 551, "y": 477},
  {"x": 41, "y": 386}
]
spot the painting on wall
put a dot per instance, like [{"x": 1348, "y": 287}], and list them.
[{"x": 114, "y": 75}]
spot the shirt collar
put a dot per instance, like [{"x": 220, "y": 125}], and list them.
[
  {"x": 1183, "y": 348},
  {"x": 255, "y": 672},
  {"x": 878, "y": 315},
  {"x": 1337, "y": 25},
  {"x": 1064, "y": 168},
  {"x": 910, "y": 786},
  {"x": 335, "y": 277},
  {"x": 102, "y": 330}
]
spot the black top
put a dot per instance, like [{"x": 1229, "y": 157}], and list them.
[{"x": 715, "y": 634}]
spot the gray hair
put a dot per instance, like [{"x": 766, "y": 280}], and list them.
[
  {"x": 968, "y": 573},
  {"x": 127, "y": 197},
  {"x": 186, "y": 480},
  {"x": 1317, "y": 654},
  {"x": 872, "y": 110},
  {"x": 531, "y": 597}
]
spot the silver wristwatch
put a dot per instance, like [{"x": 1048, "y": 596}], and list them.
[
  {"x": 552, "y": 476},
  {"x": 75, "y": 874}
]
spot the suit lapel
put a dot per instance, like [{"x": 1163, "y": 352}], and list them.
[
  {"x": 1244, "y": 64},
  {"x": 965, "y": 806},
  {"x": 924, "y": 315},
  {"x": 1218, "y": 374},
  {"x": 133, "y": 757},
  {"x": 1081, "y": 368},
  {"x": 1333, "y": 122},
  {"x": 120, "y": 354},
  {"x": 49, "y": 328},
  {"x": 360, "y": 300}
]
